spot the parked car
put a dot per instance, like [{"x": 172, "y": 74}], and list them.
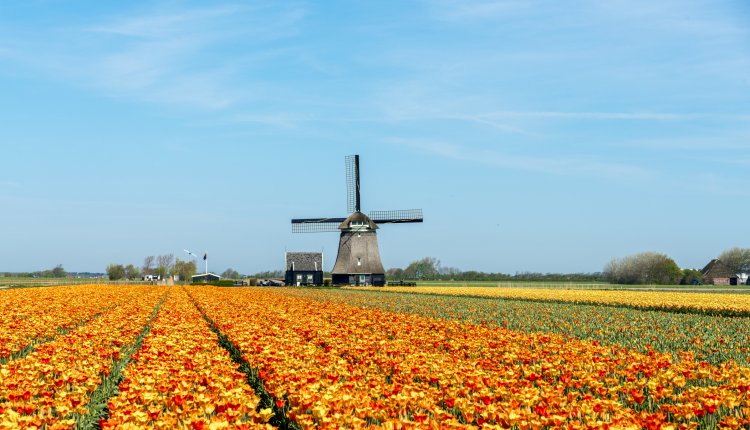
[{"x": 270, "y": 283}]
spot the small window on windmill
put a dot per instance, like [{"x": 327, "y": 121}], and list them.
[{"x": 359, "y": 261}]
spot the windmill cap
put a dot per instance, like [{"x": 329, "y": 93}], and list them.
[{"x": 358, "y": 217}]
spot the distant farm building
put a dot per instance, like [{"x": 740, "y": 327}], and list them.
[
  {"x": 304, "y": 268},
  {"x": 717, "y": 273},
  {"x": 205, "y": 277}
]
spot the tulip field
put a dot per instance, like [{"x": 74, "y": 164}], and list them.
[{"x": 134, "y": 356}]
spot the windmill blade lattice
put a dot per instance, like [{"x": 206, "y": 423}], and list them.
[
  {"x": 352, "y": 183},
  {"x": 316, "y": 225},
  {"x": 396, "y": 216}
]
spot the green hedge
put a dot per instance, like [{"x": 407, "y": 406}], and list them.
[{"x": 220, "y": 283}]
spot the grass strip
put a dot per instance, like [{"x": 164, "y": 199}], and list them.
[
  {"x": 97, "y": 405},
  {"x": 280, "y": 418}
]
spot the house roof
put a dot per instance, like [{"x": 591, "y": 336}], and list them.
[
  {"x": 206, "y": 275},
  {"x": 307, "y": 261},
  {"x": 716, "y": 269}
]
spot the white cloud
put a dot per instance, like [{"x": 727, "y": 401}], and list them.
[
  {"x": 11, "y": 184},
  {"x": 284, "y": 120},
  {"x": 742, "y": 162},
  {"x": 716, "y": 185},
  {"x": 716, "y": 142},
  {"x": 164, "y": 24},
  {"x": 173, "y": 56},
  {"x": 459, "y": 10},
  {"x": 699, "y": 18},
  {"x": 624, "y": 116},
  {"x": 548, "y": 165}
]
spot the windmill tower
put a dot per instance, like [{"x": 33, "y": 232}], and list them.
[{"x": 358, "y": 259}]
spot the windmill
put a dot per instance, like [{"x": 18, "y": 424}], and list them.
[{"x": 358, "y": 259}]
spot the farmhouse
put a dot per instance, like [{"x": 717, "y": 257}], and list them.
[
  {"x": 205, "y": 277},
  {"x": 304, "y": 268},
  {"x": 717, "y": 273}
]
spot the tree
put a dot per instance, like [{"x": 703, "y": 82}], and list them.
[
  {"x": 449, "y": 271},
  {"x": 691, "y": 277},
  {"x": 230, "y": 274},
  {"x": 58, "y": 272},
  {"x": 662, "y": 270},
  {"x": 736, "y": 259},
  {"x": 115, "y": 272},
  {"x": 426, "y": 268},
  {"x": 184, "y": 269},
  {"x": 132, "y": 272},
  {"x": 396, "y": 273},
  {"x": 269, "y": 274},
  {"x": 148, "y": 264},
  {"x": 164, "y": 264},
  {"x": 166, "y": 260},
  {"x": 643, "y": 268}
]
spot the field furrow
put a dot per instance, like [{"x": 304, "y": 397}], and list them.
[
  {"x": 181, "y": 378},
  {"x": 210, "y": 358},
  {"x": 711, "y": 338},
  {"x": 32, "y": 316},
  {"x": 722, "y": 304},
  {"x": 52, "y": 386},
  {"x": 339, "y": 365}
]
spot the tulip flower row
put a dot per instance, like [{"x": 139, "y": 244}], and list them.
[
  {"x": 711, "y": 338},
  {"x": 698, "y": 302},
  {"x": 32, "y": 315},
  {"x": 181, "y": 378},
  {"x": 338, "y": 365},
  {"x": 52, "y": 386}
]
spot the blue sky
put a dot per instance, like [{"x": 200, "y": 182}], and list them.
[{"x": 536, "y": 135}]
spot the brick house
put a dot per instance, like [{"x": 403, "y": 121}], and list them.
[{"x": 717, "y": 273}]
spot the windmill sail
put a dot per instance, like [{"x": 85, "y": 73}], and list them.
[
  {"x": 352, "y": 183},
  {"x": 316, "y": 225},
  {"x": 397, "y": 216}
]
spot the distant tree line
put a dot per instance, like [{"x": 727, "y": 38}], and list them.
[
  {"x": 736, "y": 260},
  {"x": 430, "y": 269},
  {"x": 269, "y": 274},
  {"x": 56, "y": 272},
  {"x": 159, "y": 266},
  {"x": 165, "y": 265},
  {"x": 659, "y": 269},
  {"x": 645, "y": 268},
  {"x": 230, "y": 274}
]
